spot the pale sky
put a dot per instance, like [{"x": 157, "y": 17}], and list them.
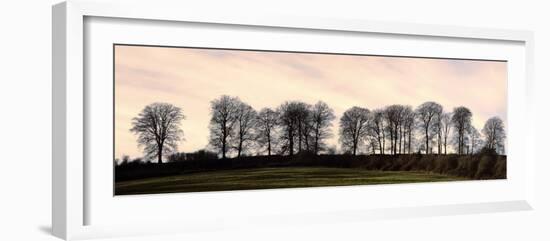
[{"x": 190, "y": 78}]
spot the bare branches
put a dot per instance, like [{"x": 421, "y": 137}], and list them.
[
  {"x": 245, "y": 121},
  {"x": 408, "y": 123},
  {"x": 290, "y": 113},
  {"x": 474, "y": 139},
  {"x": 157, "y": 127},
  {"x": 294, "y": 127},
  {"x": 224, "y": 116},
  {"x": 462, "y": 120},
  {"x": 377, "y": 129},
  {"x": 446, "y": 125},
  {"x": 354, "y": 128},
  {"x": 321, "y": 117},
  {"x": 427, "y": 115},
  {"x": 493, "y": 130},
  {"x": 266, "y": 129}
]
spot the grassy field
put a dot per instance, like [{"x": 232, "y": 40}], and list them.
[{"x": 266, "y": 178}]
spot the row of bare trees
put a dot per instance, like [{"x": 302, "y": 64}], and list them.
[
  {"x": 295, "y": 127},
  {"x": 392, "y": 129}
]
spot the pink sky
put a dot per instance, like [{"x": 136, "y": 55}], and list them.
[{"x": 191, "y": 78}]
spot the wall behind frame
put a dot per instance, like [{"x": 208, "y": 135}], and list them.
[{"x": 25, "y": 96}]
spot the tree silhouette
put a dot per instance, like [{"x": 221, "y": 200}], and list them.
[
  {"x": 158, "y": 129},
  {"x": 245, "y": 121},
  {"x": 307, "y": 128},
  {"x": 288, "y": 126},
  {"x": 296, "y": 126},
  {"x": 267, "y": 121},
  {"x": 494, "y": 134},
  {"x": 224, "y": 116},
  {"x": 290, "y": 114},
  {"x": 446, "y": 124},
  {"x": 408, "y": 125},
  {"x": 437, "y": 129},
  {"x": 474, "y": 138},
  {"x": 302, "y": 119},
  {"x": 462, "y": 118},
  {"x": 322, "y": 116},
  {"x": 394, "y": 119},
  {"x": 377, "y": 129},
  {"x": 354, "y": 128},
  {"x": 427, "y": 115}
]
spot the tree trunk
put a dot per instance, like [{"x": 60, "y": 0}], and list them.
[
  {"x": 460, "y": 143},
  {"x": 383, "y": 141},
  {"x": 223, "y": 150},
  {"x": 239, "y": 148},
  {"x": 391, "y": 141},
  {"x": 316, "y": 145},
  {"x": 290, "y": 142},
  {"x": 299, "y": 137},
  {"x": 224, "y": 139},
  {"x": 380, "y": 145},
  {"x": 396, "y": 136},
  {"x": 439, "y": 142},
  {"x": 427, "y": 141},
  {"x": 160, "y": 154},
  {"x": 400, "y": 138},
  {"x": 306, "y": 142},
  {"x": 268, "y": 145},
  {"x": 409, "y": 140}
]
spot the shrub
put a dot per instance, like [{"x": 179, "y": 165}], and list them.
[
  {"x": 500, "y": 168},
  {"x": 485, "y": 151},
  {"x": 485, "y": 167}
]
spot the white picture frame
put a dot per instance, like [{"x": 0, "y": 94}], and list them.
[{"x": 71, "y": 108}]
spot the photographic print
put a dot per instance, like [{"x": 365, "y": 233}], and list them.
[{"x": 204, "y": 119}]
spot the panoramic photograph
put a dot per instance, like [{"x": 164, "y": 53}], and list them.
[{"x": 204, "y": 119}]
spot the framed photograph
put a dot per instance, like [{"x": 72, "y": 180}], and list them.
[{"x": 204, "y": 122}]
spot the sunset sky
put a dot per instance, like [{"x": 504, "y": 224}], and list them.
[{"x": 191, "y": 78}]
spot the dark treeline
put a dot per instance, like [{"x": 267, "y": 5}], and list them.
[
  {"x": 484, "y": 165},
  {"x": 295, "y": 127}
]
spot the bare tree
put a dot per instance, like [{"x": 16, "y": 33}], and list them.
[
  {"x": 158, "y": 129},
  {"x": 377, "y": 129},
  {"x": 462, "y": 118},
  {"x": 437, "y": 129},
  {"x": 266, "y": 124},
  {"x": 245, "y": 117},
  {"x": 446, "y": 124},
  {"x": 307, "y": 127},
  {"x": 392, "y": 115},
  {"x": 427, "y": 114},
  {"x": 408, "y": 125},
  {"x": 494, "y": 134},
  {"x": 371, "y": 144},
  {"x": 354, "y": 128},
  {"x": 321, "y": 117},
  {"x": 474, "y": 138},
  {"x": 303, "y": 121},
  {"x": 224, "y": 117},
  {"x": 289, "y": 112}
]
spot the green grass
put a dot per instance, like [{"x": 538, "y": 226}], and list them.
[{"x": 266, "y": 178}]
